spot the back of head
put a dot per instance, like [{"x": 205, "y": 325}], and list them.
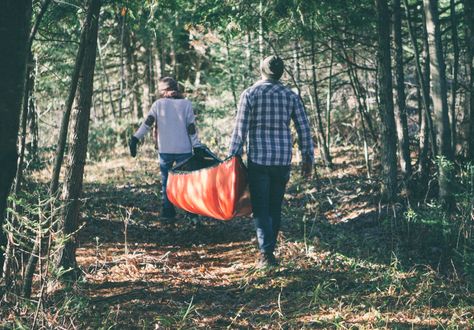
[
  {"x": 272, "y": 67},
  {"x": 168, "y": 88}
]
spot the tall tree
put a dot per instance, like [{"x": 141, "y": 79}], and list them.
[
  {"x": 469, "y": 107},
  {"x": 440, "y": 99},
  {"x": 15, "y": 18},
  {"x": 27, "y": 93},
  {"x": 320, "y": 130},
  {"x": 423, "y": 90},
  {"x": 74, "y": 176},
  {"x": 63, "y": 133},
  {"x": 454, "y": 82},
  {"x": 400, "y": 108},
  {"x": 389, "y": 153}
]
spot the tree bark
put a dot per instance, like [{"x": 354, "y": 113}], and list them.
[
  {"x": 63, "y": 132},
  {"x": 248, "y": 55},
  {"x": 74, "y": 177},
  {"x": 15, "y": 18},
  {"x": 260, "y": 31},
  {"x": 427, "y": 79},
  {"x": 329, "y": 102},
  {"x": 137, "y": 101},
  {"x": 469, "y": 106},
  {"x": 107, "y": 80},
  {"x": 454, "y": 84},
  {"x": 122, "y": 68},
  {"x": 400, "y": 108},
  {"x": 423, "y": 83},
  {"x": 27, "y": 94},
  {"x": 389, "y": 153},
  {"x": 440, "y": 101},
  {"x": 150, "y": 77},
  {"x": 320, "y": 130},
  {"x": 231, "y": 73}
]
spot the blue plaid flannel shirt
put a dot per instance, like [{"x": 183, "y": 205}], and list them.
[{"x": 264, "y": 114}]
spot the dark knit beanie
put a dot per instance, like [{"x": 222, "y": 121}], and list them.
[{"x": 272, "y": 67}]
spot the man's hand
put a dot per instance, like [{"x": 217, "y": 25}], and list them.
[
  {"x": 132, "y": 144},
  {"x": 307, "y": 169}
]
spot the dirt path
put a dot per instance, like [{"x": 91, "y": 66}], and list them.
[{"x": 337, "y": 262}]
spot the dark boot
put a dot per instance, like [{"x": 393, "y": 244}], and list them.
[{"x": 266, "y": 260}]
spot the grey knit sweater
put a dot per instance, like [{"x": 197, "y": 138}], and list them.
[{"x": 175, "y": 125}]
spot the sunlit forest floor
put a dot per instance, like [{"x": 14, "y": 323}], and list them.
[{"x": 343, "y": 264}]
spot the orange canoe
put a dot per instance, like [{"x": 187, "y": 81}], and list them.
[{"x": 219, "y": 191}]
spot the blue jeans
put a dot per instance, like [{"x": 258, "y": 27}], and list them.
[
  {"x": 267, "y": 186},
  {"x": 167, "y": 161}
]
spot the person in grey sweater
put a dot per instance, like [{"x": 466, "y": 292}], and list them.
[{"x": 176, "y": 133}]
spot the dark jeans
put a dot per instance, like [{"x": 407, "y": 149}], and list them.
[
  {"x": 167, "y": 161},
  {"x": 267, "y": 187}
]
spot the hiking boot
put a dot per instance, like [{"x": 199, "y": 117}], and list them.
[{"x": 266, "y": 260}]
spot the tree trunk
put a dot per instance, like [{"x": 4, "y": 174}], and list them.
[
  {"x": 440, "y": 101},
  {"x": 400, "y": 108},
  {"x": 360, "y": 95},
  {"x": 74, "y": 176},
  {"x": 329, "y": 103},
  {"x": 27, "y": 93},
  {"x": 106, "y": 76},
  {"x": 260, "y": 31},
  {"x": 320, "y": 130},
  {"x": 231, "y": 73},
  {"x": 454, "y": 84},
  {"x": 248, "y": 55},
  {"x": 427, "y": 79},
  {"x": 137, "y": 101},
  {"x": 389, "y": 153},
  {"x": 29, "y": 82},
  {"x": 131, "y": 79},
  {"x": 122, "y": 68},
  {"x": 173, "y": 60},
  {"x": 423, "y": 83},
  {"x": 63, "y": 132},
  {"x": 149, "y": 77},
  {"x": 15, "y": 19},
  {"x": 469, "y": 107},
  {"x": 296, "y": 63}
]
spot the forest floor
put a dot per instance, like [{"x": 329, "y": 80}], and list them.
[{"x": 342, "y": 263}]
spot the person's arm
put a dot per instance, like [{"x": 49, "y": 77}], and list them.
[
  {"x": 191, "y": 128},
  {"x": 304, "y": 135},
  {"x": 142, "y": 130},
  {"x": 241, "y": 128}
]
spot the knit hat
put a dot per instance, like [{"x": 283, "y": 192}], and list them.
[{"x": 272, "y": 67}]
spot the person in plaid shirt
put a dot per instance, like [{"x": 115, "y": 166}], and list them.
[{"x": 264, "y": 114}]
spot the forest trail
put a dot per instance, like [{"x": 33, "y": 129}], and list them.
[{"x": 336, "y": 262}]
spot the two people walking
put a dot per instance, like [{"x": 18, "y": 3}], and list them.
[{"x": 264, "y": 115}]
